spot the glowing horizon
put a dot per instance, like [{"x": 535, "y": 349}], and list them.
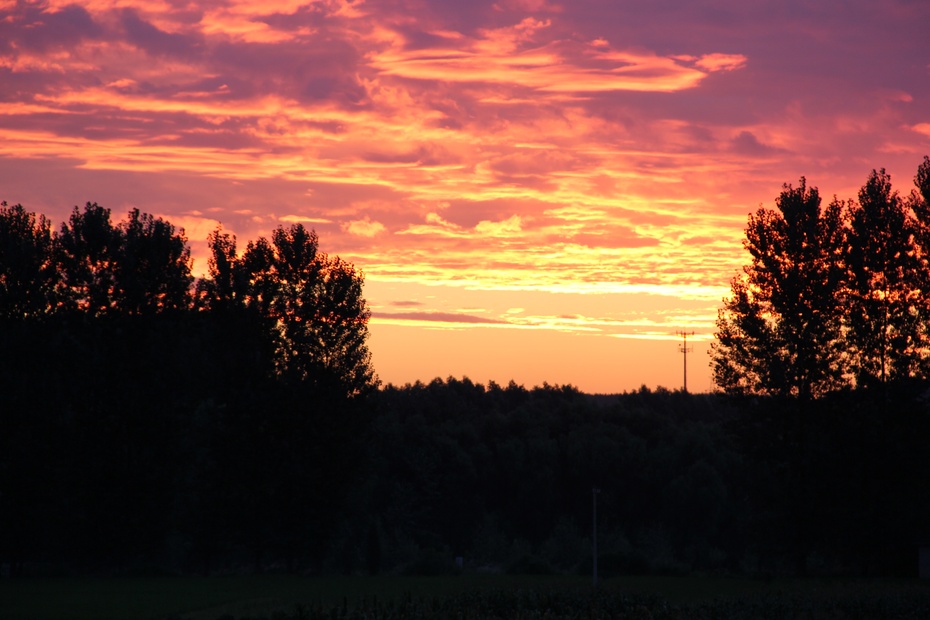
[{"x": 566, "y": 181}]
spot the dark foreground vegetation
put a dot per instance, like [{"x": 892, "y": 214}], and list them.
[
  {"x": 485, "y": 597},
  {"x": 156, "y": 423},
  {"x": 504, "y": 477},
  {"x": 499, "y": 476}
]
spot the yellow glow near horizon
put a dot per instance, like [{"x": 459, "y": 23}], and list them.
[{"x": 510, "y": 152}]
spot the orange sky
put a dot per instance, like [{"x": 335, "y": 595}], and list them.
[{"x": 535, "y": 191}]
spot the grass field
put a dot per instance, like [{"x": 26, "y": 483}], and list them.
[{"x": 280, "y": 596}]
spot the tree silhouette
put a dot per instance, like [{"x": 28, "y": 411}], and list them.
[
  {"x": 224, "y": 288},
  {"x": 140, "y": 266},
  {"x": 313, "y": 304},
  {"x": 780, "y": 331},
  {"x": 88, "y": 250},
  {"x": 831, "y": 298},
  {"x": 307, "y": 311},
  {"x": 883, "y": 299},
  {"x": 27, "y": 269},
  {"x": 227, "y": 416},
  {"x": 154, "y": 269},
  {"x": 919, "y": 203}
]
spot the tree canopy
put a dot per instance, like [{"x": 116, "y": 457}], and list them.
[
  {"x": 310, "y": 304},
  {"x": 779, "y": 331},
  {"x": 27, "y": 270},
  {"x": 312, "y": 301},
  {"x": 139, "y": 266},
  {"x": 149, "y": 422},
  {"x": 832, "y": 297},
  {"x": 139, "y": 402}
]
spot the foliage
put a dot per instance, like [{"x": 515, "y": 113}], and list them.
[
  {"x": 500, "y": 475},
  {"x": 149, "y": 421},
  {"x": 237, "y": 426},
  {"x": 779, "y": 332},
  {"x": 585, "y": 604},
  {"x": 499, "y": 596},
  {"x": 142, "y": 265},
  {"x": 688, "y": 482},
  {"x": 27, "y": 273},
  {"x": 832, "y": 298},
  {"x": 884, "y": 296},
  {"x": 312, "y": 303}
]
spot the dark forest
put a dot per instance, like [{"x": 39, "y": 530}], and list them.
[{"x": 152, "y": 422}]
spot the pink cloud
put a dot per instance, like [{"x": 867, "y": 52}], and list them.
[
  {"x": 364, "y": 227},
  {"x": 590, "y": 148},
  {"x": 922, "y": 128},
  {"x": 515, "y": 55}
]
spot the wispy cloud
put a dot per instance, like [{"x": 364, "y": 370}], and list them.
[
  {"x": 448, "y": 319},
  {"x": 522, "y": 55},
  {"x": 591, "y": 149}
]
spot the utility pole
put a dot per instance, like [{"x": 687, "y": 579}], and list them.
[
  {"x": 594, "y": 493},
  {"x": 685, "y": 349}
]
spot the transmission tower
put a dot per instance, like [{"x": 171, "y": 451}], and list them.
[{"x": 685, "y": 349}]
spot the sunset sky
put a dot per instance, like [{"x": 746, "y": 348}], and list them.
[{"x": 534, "y": 190}]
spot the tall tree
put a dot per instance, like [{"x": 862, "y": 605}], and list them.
[
  {"x": 224, "y": 288},
  {"x": 780, "y": 331},
  {"x": 139, "y": 266},
  {"x": 311, "y": 303},
  {"x": 88, "y": 247},
  {"x": 31, "y": 460},
  {"x": 919, "y": 203},
  {"x": 317, "y": 305},
  {"x": 922, "y": 180},
  {"x": 883, "y": 296},
  {"x": 311, "y": 310},
  {"x": 27, "y": 266},
  {"x": 153, "y": 271}
]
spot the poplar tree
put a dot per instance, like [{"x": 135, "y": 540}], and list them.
[
  {"x": 883, "y": 298},
  {"x": 919, "y": 203},
  {"x": 28, "y": 277},
  {"x": 831, "y": 297},
  {"x": 780, "y": 332},
  {"x": 312, "y": 303}
]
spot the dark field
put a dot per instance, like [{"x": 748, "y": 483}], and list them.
[{"x": 473, "y": 596}]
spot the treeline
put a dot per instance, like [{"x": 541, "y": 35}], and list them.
[
  {"x": 153, "y": 421},
  {"x": 129, "y": 478},
  {"x": 148, "y": 418},
  {"x": 503, "y": 477}
]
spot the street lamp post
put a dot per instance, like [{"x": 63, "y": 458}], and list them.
[{"x": 594, "y": 493}]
